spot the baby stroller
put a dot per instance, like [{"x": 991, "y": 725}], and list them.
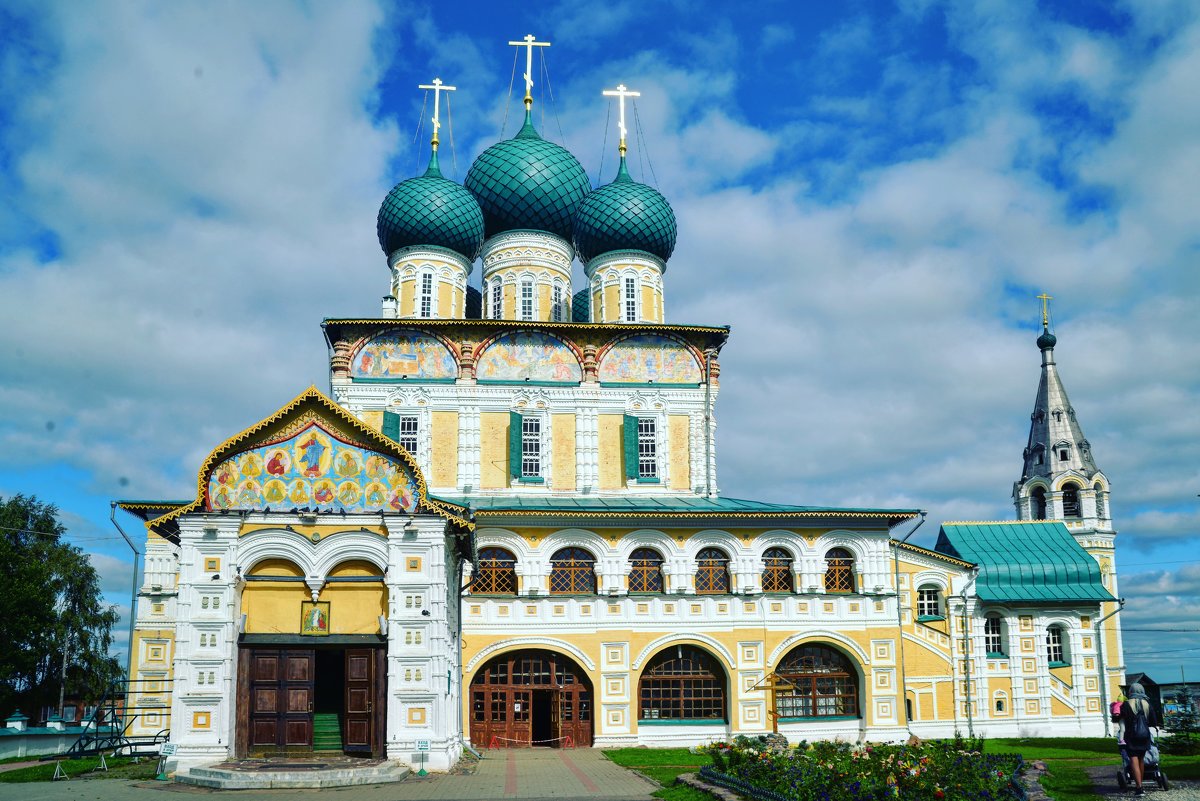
[{"x": 1151, "y": 770}]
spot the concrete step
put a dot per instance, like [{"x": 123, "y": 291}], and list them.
[{"x": 255, "y": 779}]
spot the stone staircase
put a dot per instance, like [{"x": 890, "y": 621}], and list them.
[
  {"x": 292, "y": 775},
  {"x": 327, "y": 732}
]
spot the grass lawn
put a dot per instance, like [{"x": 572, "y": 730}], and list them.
[
  {"x": 663, "y": 765},
  {"x": 118, "y": 768}
]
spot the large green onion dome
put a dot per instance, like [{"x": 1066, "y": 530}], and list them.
[
  {"x": 625, "y": 215},
  {"x": 431, "y": 210},
  {"x": 528, "y": 183}
]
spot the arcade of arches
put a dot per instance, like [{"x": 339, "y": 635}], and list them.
[{"x": 542, "y": 698}]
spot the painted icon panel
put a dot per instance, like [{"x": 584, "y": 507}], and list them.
[
  {"x": 404, "y": 354},
  {"x": 646, "y": 358},
  {"x": 528, "y": 356},
  {"x": 312, "y": 468}
]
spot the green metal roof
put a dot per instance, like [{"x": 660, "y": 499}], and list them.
[
  {"x": 625, "y": 215},
  {"x": 649, "y": 506},
  {"x": 430, "y": 210},
  {"x": 1025, "y": 561},
  {"x": 528, "y": 183}
]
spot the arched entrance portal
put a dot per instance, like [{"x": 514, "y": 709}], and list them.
[{"x": 530, "y": 698}]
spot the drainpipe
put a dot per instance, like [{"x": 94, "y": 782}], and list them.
[
  {"x": 900, "y": 621},
  {"x": 133, "y": 591},
  {"x": 1100, "y": 665},
  {"x": 967, "y": 654},
  {"x": 708, "y": 443}
]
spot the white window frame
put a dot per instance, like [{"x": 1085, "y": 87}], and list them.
[
  {"x": 424, "y": 295},
  {"x": 929, "y": 602},
  {"x": 497, "y": 299},
  {"x": 647, "y": 441},
  {"x": 1056, "y": 645},
  {"x": 629, "y": 299},
  {"x": 409, "y": 436},
  {"x": 531, "y": 446},
  {"x": 993, "y": 641},
  {"x": 556, "y": 302},
  {"x": 527, "y": 306}
]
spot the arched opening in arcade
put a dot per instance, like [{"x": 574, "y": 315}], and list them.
[
  {"x": 683, "y": 684},
  {"x": 311, "y": 674},
  {"x": 531, "y": 698},
  {"x": 816, "y": 682}
]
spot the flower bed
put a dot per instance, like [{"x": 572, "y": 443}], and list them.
[{"x": 951, "y": 770}]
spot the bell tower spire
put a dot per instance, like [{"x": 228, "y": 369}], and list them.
[{"x": 1059, "y": 477}]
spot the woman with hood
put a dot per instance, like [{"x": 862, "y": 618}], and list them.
[{"x": 1133, "y": 728}]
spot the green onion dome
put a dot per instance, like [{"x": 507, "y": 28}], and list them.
[
  {"x": 1046, "y": 340},
  {"x": 625, "y": 215},
  {"x": 431, "y": 210},
  {"x": 528, "y": 183}
]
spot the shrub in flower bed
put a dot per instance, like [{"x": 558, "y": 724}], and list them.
[{"x": 952, "y": 770}]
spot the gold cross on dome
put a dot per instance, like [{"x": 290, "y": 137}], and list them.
[
  {"x": 438, "y": 87},
  {"x": 1045, "y": 299},
  {"x": 529, "y": 42},
  {"x": 621, "y": 93}
]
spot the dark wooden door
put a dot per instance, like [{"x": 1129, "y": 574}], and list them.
[
  {"x": 281, "y": 698},
  {"x": 360, "y": 700}
]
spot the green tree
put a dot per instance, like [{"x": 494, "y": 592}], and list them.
[{"x": 54, "y": 628}]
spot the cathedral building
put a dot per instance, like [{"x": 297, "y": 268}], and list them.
[{"x": 502, "y": 527}]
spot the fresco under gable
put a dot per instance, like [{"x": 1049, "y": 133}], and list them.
[
  {"x": 528, "y": 356},
  {"x": 404, "y": 353},
  {"x": 312, "y": 469},
  {"x": 647, "y": 358}
]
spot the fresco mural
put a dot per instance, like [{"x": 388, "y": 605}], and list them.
[
  {"x": 404, "y": 353},
  {"x": 644, "y": 358},
  {"x": 316, "y": 470},
  {"x": 529, "y": 355}
]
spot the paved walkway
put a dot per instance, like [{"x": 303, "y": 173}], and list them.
[
  {"x": 538, "y": 774},
  {"x": 1104, "y": 783}
]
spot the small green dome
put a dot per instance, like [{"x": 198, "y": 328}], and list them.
[
  {"x": 1047, "y": 340},
  {"x": 431, "y": 210},
  {"x": 528, "y": 183},
  {"x": 625, "y": 215}
]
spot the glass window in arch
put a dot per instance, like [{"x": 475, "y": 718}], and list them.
[
  {"x": 823, "y": 683},
  {"x": 572, "y": 572},
  {"x": 712, "y": 572},
  {"x": 645, "y": 573},
  {"x": 839, "y": 571},
  {"x": 777, "y": 571},
  {"x": 496, "y": 574},
  {"x": 682, "y": 683}
]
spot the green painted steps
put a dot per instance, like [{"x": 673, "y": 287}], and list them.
[{"x": 327, "y": 732}]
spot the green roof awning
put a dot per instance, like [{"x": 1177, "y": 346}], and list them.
[
  {"x": 660, "y": 505},
  {"x": 1025, "y": 561}
]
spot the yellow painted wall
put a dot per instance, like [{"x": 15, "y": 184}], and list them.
[
  {"x": 679, "y": 452},
  {"x": 446, "y": 301},
  {"x": 493, "y": 450},
  {"x": 649, "y": 307},
  {"x": 374, "y": 419},
  {"x": 408, "y": 294},
  {"x": 274, "y": 607},
  {"x": 563, "y": 451},
  {"x": 543, "y": 303},
  {"x": 595, "y": 316},
  {"x": 612, "y": 304},
  {"x": 611, "y": 457},
  {"x": 1057, "y": 707},
  {"x": 444, "y": 449},
  {"x": 509, "y": 302},
  {"x": 1063, "y": 674}
]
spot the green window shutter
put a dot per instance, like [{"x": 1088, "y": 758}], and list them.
[
  {"x": 631, "y": 447},
  {"x": 391, "y": 426},
  {"x": 514, "y": 445}
]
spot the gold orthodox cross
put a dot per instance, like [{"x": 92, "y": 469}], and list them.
[
  {"x": 529, "y": 42},
  {"x": 1045, "y": 299},
  {"x": 621, "y": 93},
  {"x": 438, "y": 87}
]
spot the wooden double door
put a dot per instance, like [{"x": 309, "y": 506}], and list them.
[
  {"x": 283, "y": 690},
  {"x": 531, "y": 698}
]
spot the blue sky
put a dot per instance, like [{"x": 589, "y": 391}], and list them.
[{"x": 871, "y": 194}]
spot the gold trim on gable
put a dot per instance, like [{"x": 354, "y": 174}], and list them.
[{"x": 325, "y": 411}]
